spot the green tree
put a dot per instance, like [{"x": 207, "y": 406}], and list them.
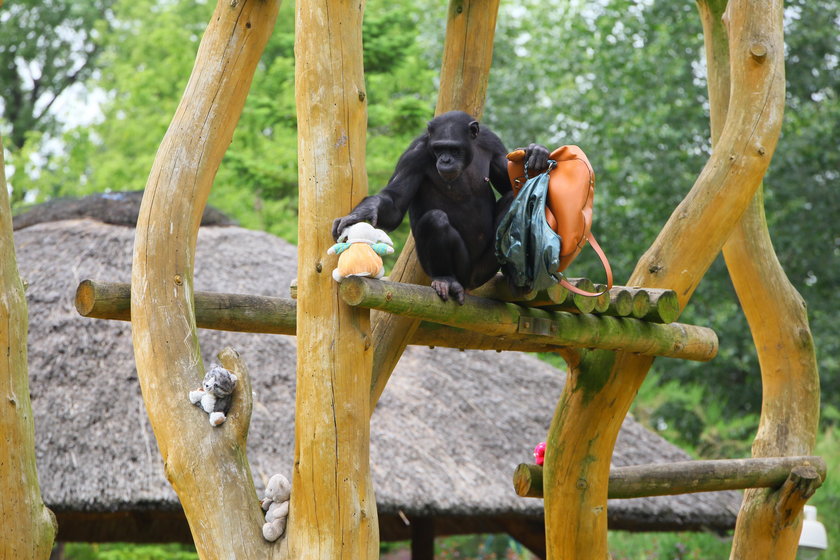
[
  {"x": 45, "y": 48},
  {"x": 145, "y": 62}
]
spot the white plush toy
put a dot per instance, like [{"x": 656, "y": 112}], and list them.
[
  {"x": 216, "y": 393},
  {"x": 276, "y": 505},
  {"x": 359, "y": 248}
]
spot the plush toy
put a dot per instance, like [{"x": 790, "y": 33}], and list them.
[
  {"x": 276, "y": 506},
  {"x": 359, "y": 248},
  {"x": 216, "y": 393},
  {"x": 539, "y": 453}
]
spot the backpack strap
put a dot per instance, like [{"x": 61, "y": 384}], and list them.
[{"x": 606, "y": 263}]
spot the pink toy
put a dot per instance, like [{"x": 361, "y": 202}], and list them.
[{"x": 539, "y": 453}]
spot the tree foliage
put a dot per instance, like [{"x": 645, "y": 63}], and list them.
[
  {"x": 146, "y": 59},
  {"x": 45, "y": 48}
]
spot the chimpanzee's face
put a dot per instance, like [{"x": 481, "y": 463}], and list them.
[{"x": 452, "y": 148}]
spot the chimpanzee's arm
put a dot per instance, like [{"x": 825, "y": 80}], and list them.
[
  {"x": 387, "y": 209},
  {"x": 498, "y": 174},
  {"x": 495, "y": 148}
]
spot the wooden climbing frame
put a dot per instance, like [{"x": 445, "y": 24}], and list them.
[{"x": 608, "y": 342}]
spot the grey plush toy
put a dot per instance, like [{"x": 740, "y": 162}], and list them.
[{"x": 216, "y": 393}]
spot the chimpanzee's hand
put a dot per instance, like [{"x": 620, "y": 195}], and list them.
[
  {"x": 360, "y": 214},
  {"x": 536, "y": 157}
]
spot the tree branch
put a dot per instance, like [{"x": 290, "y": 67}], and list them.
[{"x": 207, "y": 466}]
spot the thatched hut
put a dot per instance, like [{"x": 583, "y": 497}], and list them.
[{"x": 446, "y": 436}]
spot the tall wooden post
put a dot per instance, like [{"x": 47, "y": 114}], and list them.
[
  {"x": 601, "y": 387},
  {"x": 769, "y": 522},
  {"x": 333, "y": 509},
  {"x": 206, "y": 466},
  {"x": 29, "y": 528},
  {"x": 467, "y": 54}
]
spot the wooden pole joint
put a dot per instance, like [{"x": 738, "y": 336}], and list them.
[{"x": 802, "y": 482}]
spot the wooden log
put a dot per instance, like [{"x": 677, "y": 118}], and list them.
[
  {"x": 555, "y": 295},
  {"x": 528, "y": 480},
  {"x": 217, "y": 311},
  {"x": 204, "y": 464},
  {"x": 467, "y": 56},
  {"x": 569, "y": 301},
  {"x": 564, "y": 329},
  {"x": 603, "y": 301},
  {"x": 621, "y": 302},
  {"x": 649, "y": 304},
  {"x": 641, "y": 302},
  {"x": 271, "y": 315},
  {"x": 333, "y": 507},
  {"x": 28, "y": 529},
  {"x": 664, "y": 306},
  {"x": 686, "y": 477},
  {"x": 585, "y": 304}
]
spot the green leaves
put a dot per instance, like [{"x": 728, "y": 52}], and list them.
[{"x": 146, "y": 58}]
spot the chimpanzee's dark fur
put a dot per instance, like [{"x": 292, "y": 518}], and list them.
[{"x": 444, "y": 180}]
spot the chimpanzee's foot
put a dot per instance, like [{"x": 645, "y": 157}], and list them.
[{"x": 446, "y": 286}]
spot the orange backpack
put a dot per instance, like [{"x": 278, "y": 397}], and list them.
[{"x": 571, "y": 190}]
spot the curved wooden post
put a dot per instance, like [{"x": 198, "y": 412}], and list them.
[
  {"x": 206, "y": 466},
  {"x": 467, "y": 54},
  {"x": 29, "y": 528},
  {"x": 333, "y": 509},
  {"x": 769, "y": 522},
  {"x": 601, "y": 387}
]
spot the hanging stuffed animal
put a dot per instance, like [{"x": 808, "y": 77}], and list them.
[{"x": 359, "y": 251}]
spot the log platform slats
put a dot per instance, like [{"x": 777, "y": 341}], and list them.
[{"x": 495, "y": 318}]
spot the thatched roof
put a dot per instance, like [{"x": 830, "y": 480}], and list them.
[
  {"x": 448, "y": 432},
  {"x": 117, "y": 208}
]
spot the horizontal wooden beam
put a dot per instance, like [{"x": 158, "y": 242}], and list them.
[
  {"x": 217, "y": 311},
  {"x": 497, "y": 318},
  {"x": 273, "y": 315},
  {"x": 684, "y": 477}
]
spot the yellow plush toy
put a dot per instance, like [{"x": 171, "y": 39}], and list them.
[{"x": 359, "y": 248}]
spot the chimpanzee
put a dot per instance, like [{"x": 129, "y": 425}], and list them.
[{"x": 444, "y": 179}]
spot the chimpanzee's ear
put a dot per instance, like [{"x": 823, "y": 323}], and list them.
[
  {"x": 429, "y": 127},
  {"x": 474, "y": 128}
]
